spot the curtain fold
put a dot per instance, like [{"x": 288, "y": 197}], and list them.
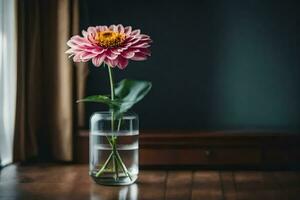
[
  {"x": 81, "y": 70},
  {"x": 8, "y": 70},
  {"x": 46, "y": 88}
]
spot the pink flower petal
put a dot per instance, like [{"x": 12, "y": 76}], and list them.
[
  {"x": 127, "y": 54},
  {"x": 143, "y": 36},
  {"x": 91, "y": 29},
  {"x": 135, "y": 32},
  {"x": 120, "y": 28},
  {"x": 139, "y": 57},
  {"x": 110, "y": 55},
  {"x": 111, "y": 63},
  {"x": 113, "y": 28},
  {"x": 122, "y": 62},
  {"x": 104, "y": 28},
  {"x": 86, "y": 47},
  {"x": 143, "y": 45},
  {"x": 87, "y": 56},
  {"x": 115, "y": 51},
  {"x": 97, "y": 61},
  {"x": 133, "y": 40},
  {"x": 76, "y": 58},
  {"x": 146, "y": 52},
  {"x": 85, "y": 33},
  {"x": 77, "y": 42},
  {"x": 127, "y": 30},
  {"x": 69, "y": 51}
]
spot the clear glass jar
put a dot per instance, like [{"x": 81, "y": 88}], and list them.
[{"x": 114, "y": 148}]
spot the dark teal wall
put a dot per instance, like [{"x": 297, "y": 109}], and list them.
[
  {"x": 258, "y": 65},
  {"x": 215, "y": 64}
]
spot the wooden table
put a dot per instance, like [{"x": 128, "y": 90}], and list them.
[{"x": 72, "y": 182}]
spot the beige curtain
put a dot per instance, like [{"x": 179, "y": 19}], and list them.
[{"x": 46, "y": 120}]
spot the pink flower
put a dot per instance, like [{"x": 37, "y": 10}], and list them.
[{"x": 113, "y": 45}]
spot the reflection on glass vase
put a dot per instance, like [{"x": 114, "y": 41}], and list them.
[{"x": 114, "y": 148}]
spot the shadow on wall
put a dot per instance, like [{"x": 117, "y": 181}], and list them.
[{"x": 215, "y": 65}]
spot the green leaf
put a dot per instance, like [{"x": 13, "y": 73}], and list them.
[
  {"x": 100, "y": 99},
  {"x": 130, "y": 92}
]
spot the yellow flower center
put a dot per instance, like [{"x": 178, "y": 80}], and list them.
[{"x": 108, "y": 39}]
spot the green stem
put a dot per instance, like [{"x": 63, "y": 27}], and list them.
[
  {"x": 116, "y": 169},
  {"x": 112, "y": 94},
  {"x": 124, "y": 168},
  {"x": 119, "y": 123},
  {"x": 105, "y": 165},
  {"x": 119, "y": 159},
  {"x": 115, "y": 156},
  {"x": 113, "y": 138},
  {"x": 112, "y": 89}
]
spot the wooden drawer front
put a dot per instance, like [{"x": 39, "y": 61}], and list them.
[
  {"x": 282, "y": 155},
  {"x": 200, "y": 156}
]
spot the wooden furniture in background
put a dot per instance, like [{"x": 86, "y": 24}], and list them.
[
  {"x": 224, "y": 148},
  {"x": 73, "y": 182}
]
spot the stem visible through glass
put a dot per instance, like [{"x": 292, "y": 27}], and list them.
[
  {"x": 113, "y": 137},
  {"x": 115, "y": 156}
]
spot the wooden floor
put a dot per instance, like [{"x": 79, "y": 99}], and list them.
[{"x": 72, "y": 182}]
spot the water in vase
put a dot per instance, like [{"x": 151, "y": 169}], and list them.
[{"x": 114, "y": 166}]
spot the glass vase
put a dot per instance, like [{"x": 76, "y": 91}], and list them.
[{"x": 114, "y": 148}]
